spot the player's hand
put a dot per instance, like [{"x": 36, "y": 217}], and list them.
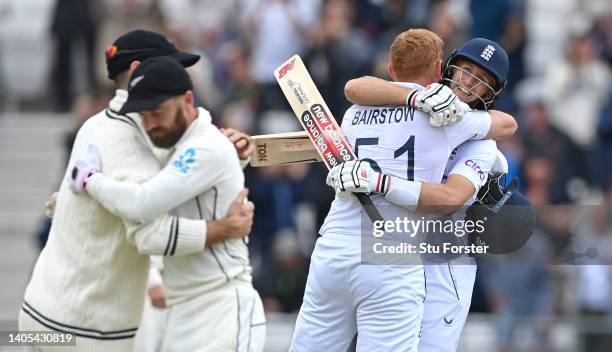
[
  {"x": 500, "y": 166},
  {"x": 157, "y": 295},
  {"x": 354, "y": 176},
  {"x": 241, "y": 141},
  {"x": 240, "y": 216},
  {"x": 50, "y": 205},
  {"x": 440, "y": 103},
  {"x": 83, "y": 168}
]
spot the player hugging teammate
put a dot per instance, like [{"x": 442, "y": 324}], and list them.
[{"x": 410, "y": 307}]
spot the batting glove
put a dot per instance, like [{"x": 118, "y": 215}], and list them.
[
  {"x": 83, "y": 168},
  {"x": 439, "y": 102},
  {"x": 357, "y": 176}
]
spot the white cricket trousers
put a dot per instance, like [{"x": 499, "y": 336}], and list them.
[
  {"x": 449, "y": 295},
  {"x": 83, "y": 344},
  {"x": 383, "y": 304},
  {"x": 227, "y": 319}
]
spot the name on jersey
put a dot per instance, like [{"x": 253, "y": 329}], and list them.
[{"x": 381, "y": 116}]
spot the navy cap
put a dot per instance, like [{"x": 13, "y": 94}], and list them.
[
  {"x": 155, "y": 81},
  {"x": 141, "y": 45}
]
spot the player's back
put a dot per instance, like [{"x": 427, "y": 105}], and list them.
[
  {"x": 88, "y": 275},
  {"x": 397, "y": 141}
]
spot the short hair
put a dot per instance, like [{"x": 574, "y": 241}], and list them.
[{"x": 414, "y": 52}]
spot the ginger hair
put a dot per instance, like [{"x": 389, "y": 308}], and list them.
[{"x": 414, "y": 53}]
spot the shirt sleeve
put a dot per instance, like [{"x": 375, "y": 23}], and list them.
[
  {"x": 475, "y": 161},
  {"x": 475, "y": 125},
  {"x": 189, "y": 173},
  {"x": 167, "y": 235},
  {"x": 127, "y": 158}
]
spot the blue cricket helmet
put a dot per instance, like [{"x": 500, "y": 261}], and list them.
[
  {"x": 490, "y": 56},
  {"x": 508, "y": 217}
]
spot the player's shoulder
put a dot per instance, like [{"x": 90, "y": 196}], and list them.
[
  {"x": 206, "y": 146},
  {"x": 485, "y": 148},
  {"x": 106, "y": 127}
]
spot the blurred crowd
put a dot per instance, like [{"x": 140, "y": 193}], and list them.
[{"x": 559, "y": 90}]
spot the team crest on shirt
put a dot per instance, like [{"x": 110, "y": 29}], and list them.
[{"x": 185, "y": 161}]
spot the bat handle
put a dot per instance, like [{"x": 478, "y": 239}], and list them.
[{"x": 369, "y": 207}]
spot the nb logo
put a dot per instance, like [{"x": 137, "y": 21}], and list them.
[{"x": 487, "y": 52}]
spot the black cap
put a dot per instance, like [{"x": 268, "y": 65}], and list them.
[
  {"x": 154, "y": 81},
  {"x": 141, "y": 45}
]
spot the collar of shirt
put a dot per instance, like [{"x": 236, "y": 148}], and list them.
[{"x": 118, "y": 100}]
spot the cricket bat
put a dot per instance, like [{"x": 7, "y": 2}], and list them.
[
  {"x": 283, "y": 148},
  {"x": 316, "y": 118}
]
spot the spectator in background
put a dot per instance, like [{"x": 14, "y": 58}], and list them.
[
  {"x": 277, "y": 29},
  {"x": 602, "y": 36},
  {"x": 521, "y": 282},
  {"x": 339, "y": 52},
  {"x": 575, "y": 89},
  {"x": 282, "y": 288},
  {"x": 539, "y": 137},
  {"x": 74, "y": 28},
  {"x": 276, "y": 190},
  {"x": 446, "y": 21},
  {"x": 502, "y": 21},
  {"x": 121, "y": 16},
  {"x": 595, "y": 280},
  {"x": 604, "y": 132}
]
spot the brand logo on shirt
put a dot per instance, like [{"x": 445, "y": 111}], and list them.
[
  {"x": 448, "y": 322},
  {"x": 487, "y": 52},
  {"x": 474, "y": 166},
  {"x": 185, "y": 161}
]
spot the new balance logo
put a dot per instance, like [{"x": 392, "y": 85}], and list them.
[
  {"x": 448, "y": 322},
  {"x": 487, "y": 52}
]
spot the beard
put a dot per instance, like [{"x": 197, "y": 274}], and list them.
[{"x": 167, "y": 137}]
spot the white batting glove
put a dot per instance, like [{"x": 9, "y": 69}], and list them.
[
  {"x": 440, "y": 103},
  {"x": 500, "y": 166},
  {"x": 83, "y": 168},
  {"x": 356, "y": 176}
]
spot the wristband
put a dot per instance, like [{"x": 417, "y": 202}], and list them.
[
  {"x": 404, "y": 193},
  {"x": 411, "y": 98}
]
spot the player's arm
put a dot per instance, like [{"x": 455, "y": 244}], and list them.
[
  {"x": 503, "y": 125},
  {"x": 168, "y": 235},
  {"x": 436, "y": 100},
  {"x": 183, "y": 178},
  {"x": 440, "y": 198},
  {"x": 466, "y": 177},
  {"x": 375, "y": 91},
  {"x": 412, "y": 195},
  {"x": 473, "y": 163}
]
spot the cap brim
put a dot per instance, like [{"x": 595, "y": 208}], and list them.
[
  {"x": 138, "y": 105},
  {"x": 186, "y": 59}
]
